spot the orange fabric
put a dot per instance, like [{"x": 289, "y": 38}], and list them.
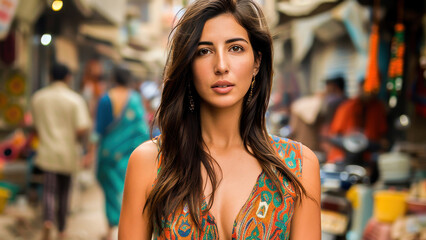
[
  {"x": 349, "y": 118},
  {"x": 372, "y": 81}
]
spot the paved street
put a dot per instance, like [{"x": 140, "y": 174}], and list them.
[{"x": 85, "y": 221}]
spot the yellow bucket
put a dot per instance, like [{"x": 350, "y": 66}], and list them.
[
  {"x": 4, "y": 198},
  {"x": 389, "y": 205}
]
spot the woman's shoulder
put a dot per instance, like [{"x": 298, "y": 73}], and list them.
[
  {"x": 147, "y": 151},
  {"x": 144, "y": 159}
]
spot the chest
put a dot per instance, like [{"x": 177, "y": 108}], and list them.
[{"x": 264, "y": 215}]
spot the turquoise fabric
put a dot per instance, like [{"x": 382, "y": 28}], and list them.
[{"x": 116, "y": 144}]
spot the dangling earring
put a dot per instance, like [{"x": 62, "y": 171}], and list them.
[
  {"x": 191, "y": 100},
  {"x": 251, "y": 89}
]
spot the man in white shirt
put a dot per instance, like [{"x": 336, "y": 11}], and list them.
[{"x": 61, "y": 117}]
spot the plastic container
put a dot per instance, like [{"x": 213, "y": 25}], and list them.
[
  {"x": 389, "y": 205},
  {"x": 361, "y": 197},
  {"x": 416, "y": 206},
  {"x": 394, "y": 166},
  {"x": 4, "y": 198}
]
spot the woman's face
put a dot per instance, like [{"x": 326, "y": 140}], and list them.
[{"x": 224, "y": 64}]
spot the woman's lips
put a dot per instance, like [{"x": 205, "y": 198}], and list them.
[{"x": 222, "y": 87}]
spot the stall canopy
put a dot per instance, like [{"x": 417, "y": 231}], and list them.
[
  {"x": 348, "y": 18},
  {"x": 300, "y": 7},
  {"x": 104, "y": 33},
  {"x": 114, "y": 11}
]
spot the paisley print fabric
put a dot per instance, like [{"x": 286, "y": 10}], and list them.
[{"x": 265, "y": 215}]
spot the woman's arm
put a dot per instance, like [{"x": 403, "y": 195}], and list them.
[
  {"x": 306, "y": 222},
  {"x": 140, "y": 175}
]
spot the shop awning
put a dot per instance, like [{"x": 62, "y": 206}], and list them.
[
  {"x": 348, "y": 18},
  {"x": 114, "y": 11},
  {"x": 300, "y": 7},
  {"x": 103, "y": 33}
]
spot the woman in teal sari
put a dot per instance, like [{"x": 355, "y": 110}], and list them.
[{"x": 120, "y": 128}]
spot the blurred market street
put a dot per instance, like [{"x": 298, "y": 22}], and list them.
[{"x": 86, "y": 219}]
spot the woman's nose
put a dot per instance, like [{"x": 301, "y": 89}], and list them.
[{"x": 221, "y": 64}]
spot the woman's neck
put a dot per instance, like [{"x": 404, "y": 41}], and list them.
[{"x": 220, "y": 127}]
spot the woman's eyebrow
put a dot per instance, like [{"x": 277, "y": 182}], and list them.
[
  {"x": 205, "y": 43},
  {"x": 235, "y": 40},
  {"x": 227, "y": 41}
]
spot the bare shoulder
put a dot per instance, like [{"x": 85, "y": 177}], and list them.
[
  {"x": 146, "y": 151},
  {"x": 310, "y": 161},
  {"x": 142, "y": 166},
  {"x": 144, "y": 158}
]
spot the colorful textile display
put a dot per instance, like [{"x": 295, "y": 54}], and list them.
[
  {"x": 12, "y": 98},
  {"x": 13, "y": 114},
  {"x": 372, "y": 80},
  {"x": 15, "y": 84},
  {"x": 396, "y": 65}
]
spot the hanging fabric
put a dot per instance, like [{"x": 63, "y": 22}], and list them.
[
  {"x": 396, "y": 64},
  {"x": 372, "y": 78},
  {"x": 372, "y": 81}
]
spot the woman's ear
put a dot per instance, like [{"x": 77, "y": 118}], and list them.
[{"x": 257, "y": 61}]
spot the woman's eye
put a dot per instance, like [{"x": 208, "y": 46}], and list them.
[
  {"x": 236, "y": 49},
  {"x": 203, "y": 51}
]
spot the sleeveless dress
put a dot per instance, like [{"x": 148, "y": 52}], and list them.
[{"x": 265, "y": 214}]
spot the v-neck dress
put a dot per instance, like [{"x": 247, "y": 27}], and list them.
[{"x": 265, "y": 214}]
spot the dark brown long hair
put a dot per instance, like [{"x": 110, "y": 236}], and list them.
[{"x": 182, "y": 147}]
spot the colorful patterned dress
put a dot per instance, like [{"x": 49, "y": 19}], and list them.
[{"x": 265, "y": 215}]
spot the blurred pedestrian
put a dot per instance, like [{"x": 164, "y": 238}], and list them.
[
  {"x": 311, "y": 116},
  {"x": 305, "y": 120},
  {"x": 215, "y": 172},
  {"x": 120, "y": 128},
  {"x": 93, "y": 85},
  {"x": 334, "y": 96},
  {"x": 61, "y": 117},
  {"x": 364, "y": 114}
]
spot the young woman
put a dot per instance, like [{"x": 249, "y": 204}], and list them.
[{"x": 215, "y": 173}]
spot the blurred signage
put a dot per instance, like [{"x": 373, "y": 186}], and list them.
[{"x": 7, "y": 11}]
